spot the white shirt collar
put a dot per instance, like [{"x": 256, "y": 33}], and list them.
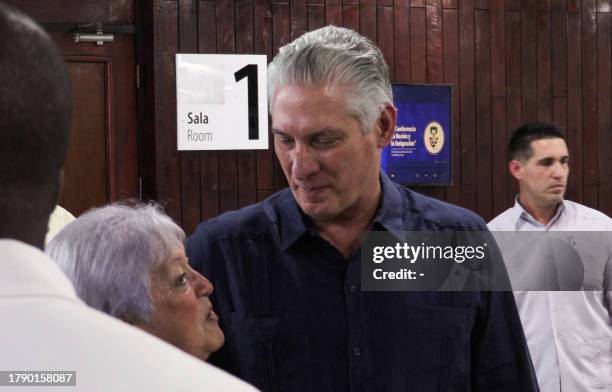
[{"x": 519, "y": 213}]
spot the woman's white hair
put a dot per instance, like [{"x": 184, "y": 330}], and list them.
[
  {"x": 336, "y": 57},
  {"x": 108, "y": 253}
]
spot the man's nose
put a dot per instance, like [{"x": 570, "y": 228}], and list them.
[
  {"x": 559, "y": 170},
  {"x": 304, "y": 162}
]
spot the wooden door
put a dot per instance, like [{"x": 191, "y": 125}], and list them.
[{"x": 102, "y": 162}]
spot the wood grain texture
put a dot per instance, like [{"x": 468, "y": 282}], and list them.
[
  {"x": 401, "y": 17},
  {"x": 604, "y": 109},
  {"x": 435, "y": 42},
  {"x": 589, "y": 93},
  {"x": 529, "y": 65},
  {"x": 367, "y": 19},
  {"x": 190, "y": 160},
  {"x": 418, "y": 45},
  {"x": 467, "y": 105},
  {"x": 451, "y": 76},
  {"x": 483, "y": 114},
  {"x": 385, "y": 36},
  {"x": 574, "y": 108},
  {"x": 498, "y": 48},
  {"x": 333, "y": 12},
  {"x": 514, "y": 83},
  {"x": 509, "y": 61},
  {"x": 544, "y": 67},
  {"x": 168, "y": 166}
]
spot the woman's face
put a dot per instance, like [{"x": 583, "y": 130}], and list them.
[{"x": 183, "y": 314}]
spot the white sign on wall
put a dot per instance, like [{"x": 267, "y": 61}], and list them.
[{"x": 221, "y": 102}]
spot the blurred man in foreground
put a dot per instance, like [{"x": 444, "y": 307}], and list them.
[
  {"x": 45, "y": 327},
  {"x": 287, "y": 270},
  {"x": 569, "y": 333}
]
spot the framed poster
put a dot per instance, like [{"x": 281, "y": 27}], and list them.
[{"x": 420, "y": 151}]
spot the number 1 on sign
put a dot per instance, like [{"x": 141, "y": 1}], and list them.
[{"x": 250, "y": 72}]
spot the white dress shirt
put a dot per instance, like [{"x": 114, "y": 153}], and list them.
[
  {"x": 44, "y": 326},
  {"x": 569, "y": 333}
]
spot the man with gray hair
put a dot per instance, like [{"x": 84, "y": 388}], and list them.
[
  {"x": 49, "y": 337},
  {"x": 287, "y": 270}
]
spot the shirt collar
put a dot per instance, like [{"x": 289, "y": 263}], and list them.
[
  {"x": 293, "y": 223},
  {"x": 391, "y": 208},
  {"x": 519, "y": 213}
]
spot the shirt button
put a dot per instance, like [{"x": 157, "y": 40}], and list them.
[
  {"x": 353, "y": 288},
  {"x": 356, "y": 351}
]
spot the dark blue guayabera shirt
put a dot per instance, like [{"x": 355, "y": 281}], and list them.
[{"x": 295, "y": 318}]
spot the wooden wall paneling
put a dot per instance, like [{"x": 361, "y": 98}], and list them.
[
  {"x": 544, "y": 5},
  {"x": 529, "y": 64},
  {"x": 350, "y": 17},
  {"x": 513, "y": 87},
  {"x": 499, "y": 162},
  {"x": 418, "y": 45},
  {"x": 384, "y": 3},
  {"x": 120, "y": 12},
  {"x": 513, "y": 5},
  {"x": 401, "y": 37},
  {"x": 467, "y": 105},
  {"x": 560, "y": 111},
  {"x": 435, "y": 42},
  {"x": 385, "y": 36},
  {"x": 452, "y": 4},
  {"x": 209, "y": 160},
  {"x": 189, "y": 160},
  {"x": 333, "y": 12},
  {"x": 418, "y": 56},
  {"x": 481, "y": 4},
  {"x": 589, "y": 103},
  {"x": 316, "y": 16},
  {"x": 604, "y": 6},
  {"x": 417, "y": 3},
  {"x": 91, "y": 182},
  {"x": 483, "y": 113},
  {"x": 498, "y": 48},
  {"x": 367, "y": 19},
  {"x": 247, "y": 159},
  {"x": 350, "y": 2},
  {"x": 168, "y": 163},
  {"x": 544, "y": 67},
  {"x": 435, "y": 59},
  {"x": 573, "y": 6},
  {"x": 263, "y": 45},
  {"x": 298, "y": 12},
  {"x": 450, "y": 34},
  {"x": 559, "y": 49},
  {"x": 281, "y": 36},
  {"x": 574, "y": 107},
  {"x": 604, "y": 109},
  {"x": 228, "y": 160}
]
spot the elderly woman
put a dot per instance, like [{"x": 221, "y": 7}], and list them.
[{"x": 129, "y": 262}]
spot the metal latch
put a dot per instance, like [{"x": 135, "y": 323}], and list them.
[{"x": 84, "y": 33}]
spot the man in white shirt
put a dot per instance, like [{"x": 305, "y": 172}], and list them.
[
  {"x": 569, "y": 333},
  {"x": 44, "y": 326}
]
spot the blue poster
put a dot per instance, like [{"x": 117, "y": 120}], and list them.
[{"x": 420, "y": 151}]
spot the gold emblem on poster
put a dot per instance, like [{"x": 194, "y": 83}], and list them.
[{"x": 433, "y": 137}]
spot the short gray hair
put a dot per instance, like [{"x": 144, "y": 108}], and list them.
[
  {"x": 335, "y": 56},
  {"x": 108, "y": 253}
]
